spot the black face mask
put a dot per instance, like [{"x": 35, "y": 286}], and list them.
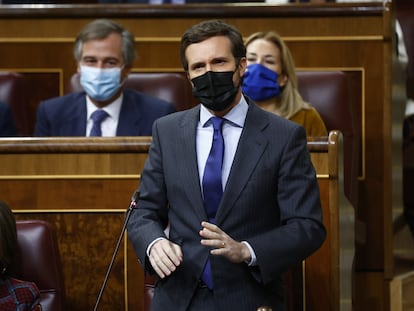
[{"x": 215, "y": 90}]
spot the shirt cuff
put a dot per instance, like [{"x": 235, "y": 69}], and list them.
[
  {"x": 152, "y": 243},
  {"x": 253, "y": 260}
]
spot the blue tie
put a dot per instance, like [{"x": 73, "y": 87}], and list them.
[
  {"x": 212, "y": 186},
  {"x": 97, "y": 116}
]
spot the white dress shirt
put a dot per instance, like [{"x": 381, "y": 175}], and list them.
[
  {"x": 232, "y": 129},
  {"x": 110, "y": 124}
]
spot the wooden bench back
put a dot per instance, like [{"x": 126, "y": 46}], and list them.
[{"x": 82, "y": 186}]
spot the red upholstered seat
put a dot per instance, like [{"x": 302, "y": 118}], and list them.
[
  {"x": 170, "y": 86},
  {"x": 335, "y": 94},
  {"x": 39, "y": 262},
  {"x": 149, "y": 285},
  {"x": 404, "y": 13}
]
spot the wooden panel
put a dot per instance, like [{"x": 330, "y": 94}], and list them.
[
  {"x": 65, "y": 164},
  {"x": 86, "y": 242},
  {"x": 82, "y": 187},
  {"x": 317, "y": 266},
  {"x": 371, "y": 284},
  {"x": 401, "y": 289},
  {"x": 322, "y": 267},
  {"x": 67, "y": 193}
]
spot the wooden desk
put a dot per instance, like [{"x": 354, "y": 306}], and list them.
[{"x": 83, "y": 185}]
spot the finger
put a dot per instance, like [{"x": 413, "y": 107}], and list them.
[
  {"x": 162, "y": 264},
  {"x": 206, "y": 233},
  {"x": 172, "y": 250},
  {"x": 212, "y": 234},
  {"x": 164, "y": 257},
  {"x": 221, "y": 249},
  {"x": 175, "y": 254},
  {"x": 161, "y": 270},
  {"x": 209, "y": 226},
  {"x": 169, "y": 255},
  {"x": 215, "y": 243},
  {"x": 156, "y": 268}
]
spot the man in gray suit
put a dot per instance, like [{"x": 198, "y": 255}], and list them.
[{"x": 268, "y": 216}]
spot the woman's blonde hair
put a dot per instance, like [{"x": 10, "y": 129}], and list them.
[{"x": 290, "y": 100}]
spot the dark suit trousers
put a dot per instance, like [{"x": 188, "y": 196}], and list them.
[{"x": 202, "y": 300}]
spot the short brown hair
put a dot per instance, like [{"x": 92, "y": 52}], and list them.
[
  {"x": 101, "y": 29},
  {"x": 212, "y": 28}
]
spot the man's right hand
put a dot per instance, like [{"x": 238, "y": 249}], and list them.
[{"x": 164, "y": 257}]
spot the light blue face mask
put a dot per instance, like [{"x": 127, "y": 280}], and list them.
[
  {"x": 260, "y": 83},
  {"x": 100, "y": 83}
]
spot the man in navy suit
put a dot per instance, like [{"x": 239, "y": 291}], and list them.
[
  {"x": 105, "y": 53},
  {"x": 269, "y": 215},
  {"x": 7, "y": 126}
]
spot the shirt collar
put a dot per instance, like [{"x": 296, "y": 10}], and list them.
[
  {"x": 235, "y": 116},
  {"x": 113, "y": 109}
]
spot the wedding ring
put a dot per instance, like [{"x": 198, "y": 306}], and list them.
[{"x": 223, "y": 244}]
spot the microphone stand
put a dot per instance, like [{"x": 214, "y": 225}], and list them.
[{"x": 134, "y": 201}]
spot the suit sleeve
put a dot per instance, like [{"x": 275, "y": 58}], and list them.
[
  {"x": 149, "y": 219},
  {"x": 42, "y": 127},
  {"x": 7, "y": 126},
  {"x": 301, "y": 231}
]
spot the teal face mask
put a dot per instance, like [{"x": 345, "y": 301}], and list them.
[{"x": 100, "y": 83}]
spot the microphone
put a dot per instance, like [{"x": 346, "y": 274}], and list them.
[{"x": 132, "y": 205}]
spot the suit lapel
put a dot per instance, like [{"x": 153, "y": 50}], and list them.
[
  {"x": 129, "y": 117},
  {"x": 76, "y": 119},
  {"x": 189, "y": 169},
  {"x": 251, "y": 146}
]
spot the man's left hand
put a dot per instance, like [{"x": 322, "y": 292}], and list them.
[{"x": 223, "y": 244}]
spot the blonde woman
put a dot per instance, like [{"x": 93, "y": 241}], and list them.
[{"x": 271, "y": 82}]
